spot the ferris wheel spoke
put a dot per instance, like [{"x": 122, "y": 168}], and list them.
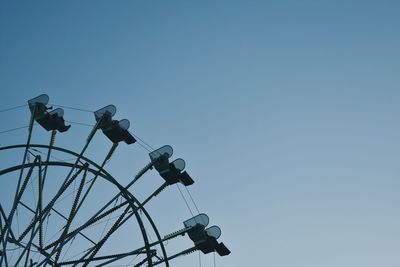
[
  {"x": 42, "y": 179},
  {"x": 120, "y": 257},
  {"x": 18, "y": 190},
  {"x": 95, "y": 218},
  {"x": 99, "y": 244},
  {"x": 80, "y": 233},
  {"x": 8, "y": 223},
  {"x": 120, "y": 221},
  {"x": 37, "y": 213},
  {"x": 69, "y": 179},
  {"x": 145, "y": 260},
  {"x": 18, "y": 197},
  {"x": 50, "y": 205},
  {"x": 30, "y": 129},
  {"x": 39, "y": 207},
  {"x": 59, "y": 214},
  {"x": 140, "y": 174},
  {"x": 73, "y": 212},
  {"x": 27, "y": 247},
  {"x": 34, "y": 230},
  {"x": 155, "y": 193},
  {"x": 49, "y": 150},
  {"x": 98, "y": 172},
  {"x": 184, "y": 252},
  {"x": 153, "y": 253},
  {"x": 4, "y": 252},
  {"x": 100, "y": 214},
  {"x": 111, "y": 258},
  {"x": 1, "y": 222},
  {"x": 138, "y": 251},
  {"x": 4, "y": 218},
  {"x": 141, "y": 251},
  {"x": 61, "y": 242}
]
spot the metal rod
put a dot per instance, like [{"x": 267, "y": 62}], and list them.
[
  {"x": 99, "y": 244},
  {"x": 49, "y": 206},
  {"x": 187, "y": 251},
  {"x": 140, "y": 174},
  {"x": 19, "y": 195},
  {"x": 114, "y": 146},
  {"x": 3, "y": 214},
  {"x": 158, "y": 191},
  {"x": 41, "y": 184},
  {"x": 144, "y": 260},
  {"x": 89, "y": 222},
  {"x": 97, "y": 217},
  {"x": 72, "y": 212},
  {"x": 118, "y": 256},
  {"x": 39, "y": 207},
  {"x": 59, "y": 214},
  {"x": 5, "y": 232},
  {"x": 68, "y": 180}
]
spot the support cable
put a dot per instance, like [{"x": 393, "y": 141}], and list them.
[
  {"x": 13, "y": 108},
  {"x": 144, "y": 142},
  {"x": 141, "y": 142},
  {"x": 184, "y": 199},
  {"x": 59, "y": 214},
  {"x": 107, "y": 220},
  {"x": 68, "y": 179},
  {"x": 72, "y": 108},
  {"x": 80, "y": 123},
  {"x": 70, "y": 244},
  {"x": 194, "y": 203},
  {"x": 199, "y": 259},
  {"x": 215, "y": 264},
  {"x": 51, "y": 156},
  {"x": 14, "y": 129},
  {"x": 5, "y": 232}
]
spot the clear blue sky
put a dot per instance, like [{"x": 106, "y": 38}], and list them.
[{"x": 287, "y": 112}]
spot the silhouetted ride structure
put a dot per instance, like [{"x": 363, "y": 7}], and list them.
[{"x": 56, "y": 212}]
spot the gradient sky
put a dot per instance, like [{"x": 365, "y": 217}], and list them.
[{"x": 286, "y": 112}]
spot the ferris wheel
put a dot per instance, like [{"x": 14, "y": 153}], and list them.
[{"x": 58, "y": 212}]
